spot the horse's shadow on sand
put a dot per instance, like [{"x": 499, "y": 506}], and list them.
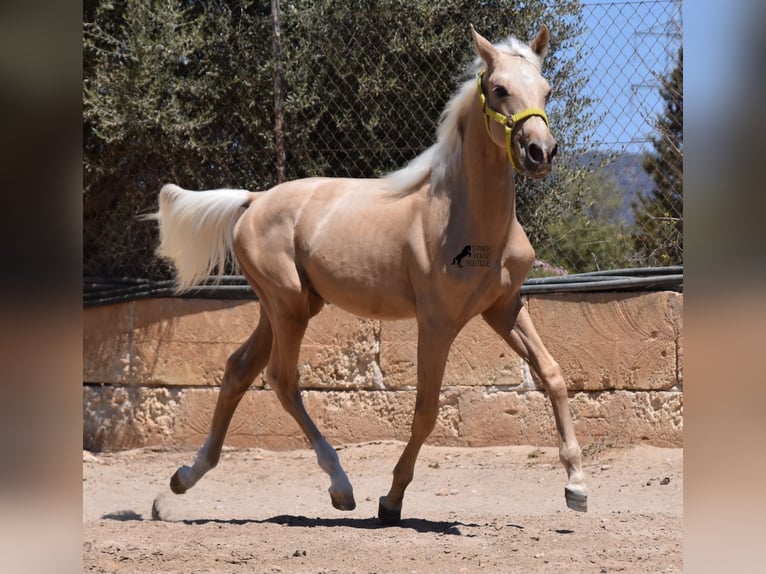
[{"x": 421, "y": 525}]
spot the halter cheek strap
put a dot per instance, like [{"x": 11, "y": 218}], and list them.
[{"x": 509, "y": 123}]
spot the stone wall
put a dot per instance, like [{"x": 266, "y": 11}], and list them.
[{"x": 152, "y": 368}]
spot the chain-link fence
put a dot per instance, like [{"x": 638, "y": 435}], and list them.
[{"x": 236, "y": 94}]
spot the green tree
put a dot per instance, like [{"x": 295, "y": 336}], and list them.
[
  {"x": 366, "y": 81},
  {"x": 588, "y": 232},
  {"x": 168, "y": 95},
  {"x": 184, "y": 92},
  {"x": 659, "y": 214}
]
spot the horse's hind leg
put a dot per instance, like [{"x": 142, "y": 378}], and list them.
[
  {"x": 522, "y": 336},
  {"x": 282, "y": 375},
  {"x": 241, "y": 369}
]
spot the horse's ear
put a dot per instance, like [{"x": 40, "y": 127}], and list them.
[
  {"x": 540, "y": 44},
  {"x": 484, "y": 48}
]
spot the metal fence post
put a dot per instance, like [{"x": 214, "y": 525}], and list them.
[{"x": 279, "y": 139}]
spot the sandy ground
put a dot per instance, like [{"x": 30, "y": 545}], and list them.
[{"x": 498, "y": 509}]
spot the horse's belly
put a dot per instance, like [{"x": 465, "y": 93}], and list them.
[{"x": 376, "y": 292}]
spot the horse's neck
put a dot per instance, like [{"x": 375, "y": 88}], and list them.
[{"x": 489, "y": 194}]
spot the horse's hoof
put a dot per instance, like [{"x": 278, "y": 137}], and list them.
[
  {"x": 176, "y": 485},
  {"x": 388, "y": 516},
  {"x": 576, "y": 500},
  {"x": 342, "y": 503}
]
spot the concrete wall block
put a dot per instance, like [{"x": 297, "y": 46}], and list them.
[
  {"x": 614, "y": 418},
  {"x": 158, "y": 363},
  {"x": 611, "y": 340},
  {"x": 661, "y": 417},
  {"x": 622, "y": 418},
  {"x": 187, "y": 341},
  {"x": 343, "y": 417},
  {"x": 125, "y": 417},
  {"x": 340, "y": 351},
  {"x": 107, "y": 343},
  {"x": 350, "y": 417},
  {"x": 121, "y": 417},
  {"x": 676, "y": 305},
  {"x": 478, "y": 357},
  {"x": 506, "y": 418},
  {"x": 197, "y": 320},
  {"x": 259, "y": 421}
]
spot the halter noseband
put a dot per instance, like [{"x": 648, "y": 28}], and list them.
[{"x": 509, "y": 123}]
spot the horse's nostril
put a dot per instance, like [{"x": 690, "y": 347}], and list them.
[
  {"x": 553, "y": 152},
  {"x": 535, "y": 153}
]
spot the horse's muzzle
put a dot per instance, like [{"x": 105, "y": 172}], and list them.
[{"x": 538, "y": 160}]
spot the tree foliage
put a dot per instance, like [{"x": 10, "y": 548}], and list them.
[
  {"x": 382, "y": 72},
  {"x": 184, "y": 91},
  {"x": 588, "y": 232},
  {"x": 659, "y": 214},
  {"x": 168, "y": 95}
]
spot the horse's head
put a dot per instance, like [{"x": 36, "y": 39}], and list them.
[{"x": 513, "y": 94}]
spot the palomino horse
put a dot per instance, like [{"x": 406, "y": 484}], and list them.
[{"x": 388, "y": 248}]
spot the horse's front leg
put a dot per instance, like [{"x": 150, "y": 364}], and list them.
[
  {"x": 512, "y": 321},
  {"x": 433, "y": 348}
]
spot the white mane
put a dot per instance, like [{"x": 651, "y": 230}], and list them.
[{"x": 439, "y": 160}]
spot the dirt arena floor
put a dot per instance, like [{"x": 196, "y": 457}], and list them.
[{"x": 494, "y": 510}]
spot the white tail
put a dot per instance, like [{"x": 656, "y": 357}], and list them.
[{"x": 197, "y": 230}]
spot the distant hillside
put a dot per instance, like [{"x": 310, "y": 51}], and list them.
[{"x": 626, "y": 171}]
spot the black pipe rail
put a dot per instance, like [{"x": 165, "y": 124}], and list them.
[{"x": 110, "y": 290}]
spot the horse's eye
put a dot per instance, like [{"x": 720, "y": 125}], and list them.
[{"x": 500, "y": 91}]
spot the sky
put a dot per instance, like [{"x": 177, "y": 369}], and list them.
[{"x": 627, "y": 44}]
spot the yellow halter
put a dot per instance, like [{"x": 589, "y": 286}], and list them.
[{"x": 509, "y": 123}]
